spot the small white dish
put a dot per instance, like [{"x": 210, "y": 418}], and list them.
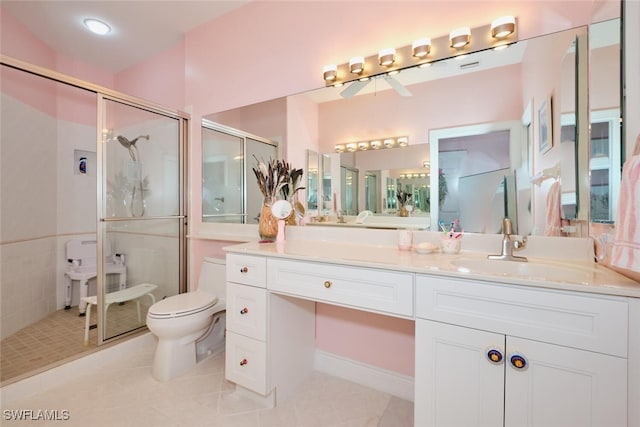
[{"x": 425, "y": 248}]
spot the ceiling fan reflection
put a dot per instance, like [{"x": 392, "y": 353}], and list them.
[{"x": 358, "y": 85}]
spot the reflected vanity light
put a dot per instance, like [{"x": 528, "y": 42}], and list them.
[
  {"x": 503, "y": 27},
  {"x": 421, "y": 48},
  {"x": 376, "y": 144},
  {"x": 460, "y": 37},
  {"x": 356, "y": 65},
  {"x": 386, "y": 57},
  {"x": 330, "y": 72}
]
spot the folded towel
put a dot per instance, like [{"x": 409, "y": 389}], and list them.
[
  {"x": 553, "y": 223},
  {"x": 625, "y": 252}
]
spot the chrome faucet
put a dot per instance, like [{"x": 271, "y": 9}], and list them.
[{"x": 509, "y": 244}]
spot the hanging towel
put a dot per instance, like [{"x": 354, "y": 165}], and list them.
[
  {"x": 553, "y": 222},
  {"x": 625, "y": 252}
]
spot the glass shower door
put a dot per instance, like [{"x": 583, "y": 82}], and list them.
[{"x": 141, "y": 213}]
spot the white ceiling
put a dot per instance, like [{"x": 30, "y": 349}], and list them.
[{"x": 140, "y": 29}]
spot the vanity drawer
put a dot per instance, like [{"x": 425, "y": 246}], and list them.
[
  {"x": 247, "y": 310},
  {"x": 586, "y": 321},
  {"x": 246, "y": 362},
  {"x": 377, "y": 290},
  {"x": 247, "y": 270}
]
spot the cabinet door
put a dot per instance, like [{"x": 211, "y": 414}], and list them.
[
  {"x": 561, "y": 386},
  {"x": 456, "y": 384},
  {"x": 247, "y": 311},
  {"x": 246, "y": 362}
]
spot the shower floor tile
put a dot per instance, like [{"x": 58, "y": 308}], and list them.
[{"x": 60, "y": 337}]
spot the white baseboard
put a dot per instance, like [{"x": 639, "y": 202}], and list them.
[{"x": 367, "y": 375}]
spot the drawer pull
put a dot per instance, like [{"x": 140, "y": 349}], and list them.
[
  {"x": 518, "y": 361},
  {"x": 243, "y": 362},
  {"x": 244, "y": 269},
  {"x": 495, "y": 356},
  {"x": 244, "y": 310},
  {"x": 327, "y": 284}
]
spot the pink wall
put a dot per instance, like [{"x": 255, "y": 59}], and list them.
[
  {"x": 159, "y": 79},
  {"x": 19, "y": 43},
  {"x": 455, "y": 101},
  {"x": 369, "y": 338}
]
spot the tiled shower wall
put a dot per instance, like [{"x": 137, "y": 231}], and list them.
[{"x": 44, "y": 203}]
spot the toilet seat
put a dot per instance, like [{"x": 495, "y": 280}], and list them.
[{"x": 182, "y": 305}]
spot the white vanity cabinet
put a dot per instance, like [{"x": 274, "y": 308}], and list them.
[
  {"x": 247, "y": 311},
  {"x": 500, "y": 355}
]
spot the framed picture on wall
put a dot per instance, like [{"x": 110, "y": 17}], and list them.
[{"x": 545, "y": 126}]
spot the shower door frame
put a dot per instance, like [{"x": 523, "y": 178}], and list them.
[
  {"x": 101, "y": 217},
  {"x": 103, "y": 93}
]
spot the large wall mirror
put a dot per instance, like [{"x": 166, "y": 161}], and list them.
[{"x": 504, "y": 96}]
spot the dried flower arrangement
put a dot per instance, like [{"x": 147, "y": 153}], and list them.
[
  {"x": 403, "y": 197},
  {"x": 277, "y": 179}
]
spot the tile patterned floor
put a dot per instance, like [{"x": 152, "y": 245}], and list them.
[
  {"x": 124, "y": 393},
  {"x": 59, "y": 337}
]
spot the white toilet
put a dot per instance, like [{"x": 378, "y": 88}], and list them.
[{"x": 190, "y": 326}]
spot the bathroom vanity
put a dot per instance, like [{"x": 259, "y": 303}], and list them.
[{"x": 491, "y": 348}]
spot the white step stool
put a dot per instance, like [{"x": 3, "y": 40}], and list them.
[{"x": 128, "y": 294}]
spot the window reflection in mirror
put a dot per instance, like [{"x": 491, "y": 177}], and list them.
[
  {"x": 229, "y": 193},
  {"x": 605, "y": 158},
  {"x": 312, "y": 180},
  {"x": 475, "y": 179},
  {"x": 328, "y": 193}
]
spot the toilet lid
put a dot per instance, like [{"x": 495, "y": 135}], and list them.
[{"x": 183, "y": 304}]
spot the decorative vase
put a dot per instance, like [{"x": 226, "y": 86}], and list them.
[
  {"x": 403, "y": 211},
  {"x": 291, "y": 219},
  {"x": 268, "y": 225}
]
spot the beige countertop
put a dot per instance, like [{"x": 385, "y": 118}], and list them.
[{"x": 568, "y": 275}]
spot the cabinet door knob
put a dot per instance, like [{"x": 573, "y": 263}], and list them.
[
  {"x": 244, "y": 270},
  {"x": 243, "y": 362},
  {"x": 495, "y": 356},
  {"x": 244, "y": 310},
  {"x": 327, "y": 284},
  {"x": 518, "y": 361}
]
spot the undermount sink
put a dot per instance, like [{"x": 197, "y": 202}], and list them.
[{"x": 529, "y": 270}]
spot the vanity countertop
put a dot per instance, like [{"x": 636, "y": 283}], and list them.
[{"x": 468, "y": 265}]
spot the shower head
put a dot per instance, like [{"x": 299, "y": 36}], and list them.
[
  {"x": 124, "y": 141},
  {"x": 127, "y": 144},
  {"x": 141, "y": 136}
]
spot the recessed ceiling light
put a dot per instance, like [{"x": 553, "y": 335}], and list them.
[{"x": 96, "y": 26}]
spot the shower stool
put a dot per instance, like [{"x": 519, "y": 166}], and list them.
[
  {"x": 81, "y": 266},
  {"x": 128, "y": 294}
]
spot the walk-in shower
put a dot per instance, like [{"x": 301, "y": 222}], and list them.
[{"x": 56, "y": 201}]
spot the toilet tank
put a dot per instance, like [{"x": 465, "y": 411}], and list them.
[{"x": 213, "y": 277}]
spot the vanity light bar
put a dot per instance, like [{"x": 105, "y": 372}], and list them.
[
  {"x": 376, "y": 144},
  {"x": 423, "y": 51}
]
